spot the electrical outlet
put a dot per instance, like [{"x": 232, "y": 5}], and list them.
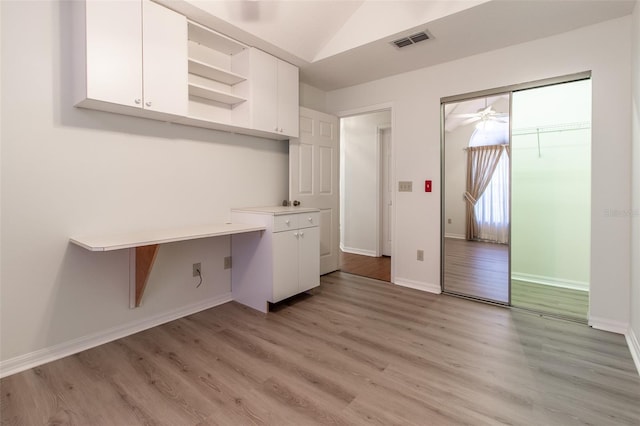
[
  {"x": 197, "y": 269},
  {"x": 227, "y": 262},
  {"x": 420, "y": 255}
]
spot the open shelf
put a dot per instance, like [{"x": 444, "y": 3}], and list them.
[
  {"x": 214, "y": 73},
  {"x": 213, "y": 40},
  {"x": 214, "y": 95}
]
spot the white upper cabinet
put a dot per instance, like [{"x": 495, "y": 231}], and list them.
[
  {"x": 274, "y": 94},
  {"x": 113, "y": 52},
  {"x": 288, "y": 99},
  {"x": 137, "y": 57},
  {"x": 133, "y": 54},
  {"x": 164, "y": 59}
]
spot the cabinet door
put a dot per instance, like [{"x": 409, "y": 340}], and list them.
[
  {"x": 309, "y": 258},
  {"x": 164, "y": 41},
  {"x": 285, "y": 264},
  {"x": 114, "y": 51},
  {"x": 288, "y": 99},
  {"x": 264, "y": 75}
]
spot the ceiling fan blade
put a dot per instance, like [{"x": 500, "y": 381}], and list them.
[
  {"x": 469, "y": 121},
  {"x": 469, "y": 115}
]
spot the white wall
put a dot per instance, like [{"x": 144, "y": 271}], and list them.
[
  {"x": 456, "y": 180},
  {"x": 635, "y": 191},
  {"x": 602, "y": 48},
  {"x": 359, "y": 187},
  {"x": 68, "y": 171}
]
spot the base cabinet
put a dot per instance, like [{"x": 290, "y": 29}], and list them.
[{"x": 278, "y": 263}]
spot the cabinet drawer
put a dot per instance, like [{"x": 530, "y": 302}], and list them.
[
  {"x": 285, "y": 222},
  {"x": 308, "y": 220}
]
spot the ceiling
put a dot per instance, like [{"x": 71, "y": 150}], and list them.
[
  {"x": 338, "y": 43},
  {"x": 456, "y": 114}
]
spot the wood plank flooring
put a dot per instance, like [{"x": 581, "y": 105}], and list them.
[
  {"x": 477, "y": 269},
  {"x": 356, "y": 351},
  {"x": 563, "y": 302},
  {"x": 378, "y": 268}
]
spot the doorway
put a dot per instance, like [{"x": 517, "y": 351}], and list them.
[
  {"x": 516, "y": 173},
  {"x": 366, "y": 194}
]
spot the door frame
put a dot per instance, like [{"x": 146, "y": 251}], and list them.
[
  {"x": 381, "y": 187},
  {"x": 388, "y": 106}
]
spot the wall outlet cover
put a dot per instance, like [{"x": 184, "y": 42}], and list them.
[{"x": 405, "y": 186}]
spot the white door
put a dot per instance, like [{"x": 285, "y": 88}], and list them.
[
  {"x": 285, "y": 264},
  {"x": 387, "y": 188},
  {"x": 308, "y": 258},
  {"x": 114, "y": 52},
  {"x": 288, "y": 95},
  {"x": 313, "y": 178},
  {"x": 264, "y": 76},
  {"x": 164, "y": 35}
]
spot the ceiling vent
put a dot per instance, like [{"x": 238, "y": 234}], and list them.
[{"x": 412, "y": 39}]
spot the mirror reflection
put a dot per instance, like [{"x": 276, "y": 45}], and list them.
[{"x": 476, "y": 199}]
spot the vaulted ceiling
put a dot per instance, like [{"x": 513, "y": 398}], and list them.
[{"x": 340, "y": 43}]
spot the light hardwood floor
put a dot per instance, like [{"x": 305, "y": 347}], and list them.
[
  {"x": 357, "y": 351},
  {"x": 477, "y": 269},
  {"x": 563, "y": 302},
  {"x": 378, "y": 268}
]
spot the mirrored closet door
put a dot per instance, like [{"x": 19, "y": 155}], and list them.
[{"x": 476, "y": 197}]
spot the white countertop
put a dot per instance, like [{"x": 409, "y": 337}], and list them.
[
  {"x": 277, "y": 210},
  {"x": 160, "y": 236}
]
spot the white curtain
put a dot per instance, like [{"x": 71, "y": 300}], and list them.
[{"x": 492, "y": 208}]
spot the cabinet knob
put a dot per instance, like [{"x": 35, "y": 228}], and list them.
[
  {"x": 302, "y": 234},
  {"x": 287, "y": 221},
  {"x": 148, "y": 103},
  {"x": 275, "y": 129},
  {"x": 138, "y": 101},
  {"x": 311, "y": 219},
  {"x": 296, "y": 234},
  {"x": 281, "y": 130}
]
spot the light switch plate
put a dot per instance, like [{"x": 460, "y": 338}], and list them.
[{"x": 405, "y": 186}]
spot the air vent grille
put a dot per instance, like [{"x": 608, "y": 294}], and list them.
[{"x": 412, "y": 39}]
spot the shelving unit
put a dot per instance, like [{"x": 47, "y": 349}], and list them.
[
  {"x": 214, "y": 40},
  {"x": 214, "y": 73},
  {"x": 215, "y": 87},
  {"x": 213, "y": 95}
]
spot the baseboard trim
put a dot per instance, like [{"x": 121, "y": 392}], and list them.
[
  {"x": 418, "y": 285},
  {"x": 618, "y": 327},
  {"x": 551, "y": 281},
  {"x": 371, "y": 253},
  {"x": 61, "y": 350},
  {"x": 455, "y": 236},
  {"x": 634, "y": 348}
]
